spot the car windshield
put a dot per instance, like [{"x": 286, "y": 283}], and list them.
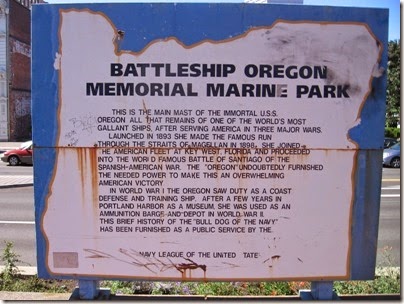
[
  {"x": 395, "y": 146},
  {"x": 26, "y": 145}
]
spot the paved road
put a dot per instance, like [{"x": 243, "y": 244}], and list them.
[
  {"x": 389, "y": 243},
  {"x": 18, "y": 214},
  {"x": 17, "y": 217}
]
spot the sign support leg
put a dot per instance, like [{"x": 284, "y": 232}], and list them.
[
  {"x": 320, "y": 290},
  {"x": 88, "y": 289}
]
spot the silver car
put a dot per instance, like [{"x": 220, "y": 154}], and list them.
[{"x": 391, "y": 156}]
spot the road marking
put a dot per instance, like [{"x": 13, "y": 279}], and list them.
[
  {"x": 390, "y": 195},
  {"x": 18, "y": 222},
  {"x": 390, "y": 179},
  {"x": 396, "y": 187}
]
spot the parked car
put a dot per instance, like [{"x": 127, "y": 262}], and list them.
[
  {"x": 22, "y": 155},
  {"x": 391, "y": 156},
  {"x": 388, "y": 142}
]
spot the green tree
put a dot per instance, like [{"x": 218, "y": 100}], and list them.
[{"x": 393, "y": 84}]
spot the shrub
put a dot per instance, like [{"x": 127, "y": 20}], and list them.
[
  {"x": 392, "y": 132},
  {"x": 10, "y": 259}
]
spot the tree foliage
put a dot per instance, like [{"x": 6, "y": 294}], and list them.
[{"x": 393, "y": 84}]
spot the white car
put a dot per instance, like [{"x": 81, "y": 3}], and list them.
[{"x": 391, "y": 156}]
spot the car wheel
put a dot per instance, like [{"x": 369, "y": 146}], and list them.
[
  {"x": 395, "y": 162},
  {"x": 13, "y": 160}
]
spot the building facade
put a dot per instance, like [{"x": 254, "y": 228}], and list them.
[{"x": 15, "y": 69}]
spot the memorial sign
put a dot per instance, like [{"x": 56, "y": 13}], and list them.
[{"x": 207, "y": 141}]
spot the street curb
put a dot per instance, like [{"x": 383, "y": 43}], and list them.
[
  {"x": 23, "y": 270},
  {"x": 16, "y": 185}
]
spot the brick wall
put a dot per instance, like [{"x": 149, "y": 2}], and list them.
[{"x": 20, "y": 71}]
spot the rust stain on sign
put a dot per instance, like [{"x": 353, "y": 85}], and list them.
[{"x": 87, "y": 166}]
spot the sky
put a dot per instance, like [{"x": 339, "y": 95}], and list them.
[{"x": 392, "y": 5}]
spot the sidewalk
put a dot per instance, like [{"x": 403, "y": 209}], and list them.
[
  {"x": 33, "y": 296},
  {"x": 7, "y": 145},
  {"x": 16, "y": 181}
]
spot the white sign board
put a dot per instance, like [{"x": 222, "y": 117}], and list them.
[{"x": 221, "y": 160}]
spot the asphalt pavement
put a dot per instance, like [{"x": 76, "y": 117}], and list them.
[{"x": 7, "y": 181}]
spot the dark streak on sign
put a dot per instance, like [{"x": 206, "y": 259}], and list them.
[
  {"x": 136, "y": 259},
  {"x": 183, "y": 267}
]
